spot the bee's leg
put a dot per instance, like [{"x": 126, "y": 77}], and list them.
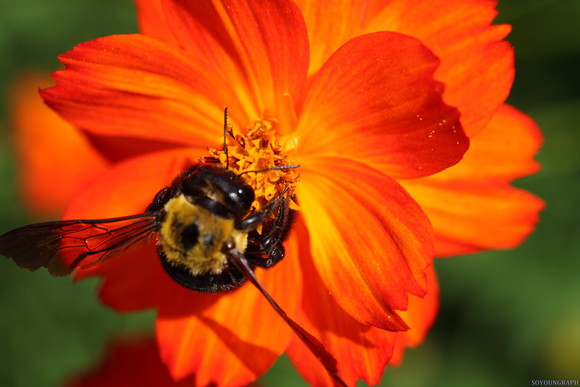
[
  {"x": 266, "y": 250},
  {"x": 253, "y": 221},
  {"x": 239, "y": 261}
]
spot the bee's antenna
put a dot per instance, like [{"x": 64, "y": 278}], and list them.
[
  {"x": 225, "y": 148},
  {"x": 271, "y": 169}
]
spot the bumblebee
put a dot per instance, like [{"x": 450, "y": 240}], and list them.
[
  {"x": 206, "y": 235},
  {"x": 199, "y": 220},
  {"x": 202, "y": 221}
]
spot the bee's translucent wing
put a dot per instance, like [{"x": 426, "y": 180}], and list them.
[{"x": 63, "y": 246}]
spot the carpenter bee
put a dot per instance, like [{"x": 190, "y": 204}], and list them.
[{"x": 206, "y": 235}]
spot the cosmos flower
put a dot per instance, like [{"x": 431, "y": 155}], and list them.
[{"x": 367, "y": 98}]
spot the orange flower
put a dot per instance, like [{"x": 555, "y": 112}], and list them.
[{"x": 367, "y": 99}]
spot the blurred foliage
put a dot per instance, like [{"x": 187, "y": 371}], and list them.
[{"x": 506, "y": 317}]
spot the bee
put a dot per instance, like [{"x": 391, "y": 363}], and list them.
[{"x": 206, "y": 235}]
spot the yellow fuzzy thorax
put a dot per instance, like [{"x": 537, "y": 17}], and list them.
[{"x": 203, "y": 254}]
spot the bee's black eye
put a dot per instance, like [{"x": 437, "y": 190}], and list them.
[
  {"x": 241, "y": 198},
  {"x": 189, "y": 236}
]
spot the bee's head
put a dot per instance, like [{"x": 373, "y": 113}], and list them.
[{"x": 221, "y": 191}]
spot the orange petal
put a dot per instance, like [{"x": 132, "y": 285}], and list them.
[
  {"x": 504, "y": 151},
  {"x": 476, "y": 65},
  {"x": 230, "y": 338},
  {"x": 129, "y": 187},
  {"x": 469, "y": 216},
  {"x": 361, "y": 351},
  {"x": 375, "y": 101},
  {"x": 134, "y": 86},
  {"x": 130, "y": 361},
  {"x": 420, "y": 317},
  {"x": 151, "y": 17},
  {"x": 49, "y": 150},
  {"x": 131, "y": 282},
  {"x": 471, "y": 205},
  {"x": 371, "y": 243},
  {"x": 330, "y": 24},
  {"x": 262, "y": 47},
  {"x": 118, "y": 148}
]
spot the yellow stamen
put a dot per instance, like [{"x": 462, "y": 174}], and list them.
[{"x": 255, "y": 149}]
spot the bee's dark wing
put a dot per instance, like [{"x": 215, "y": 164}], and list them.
[{"x": 62, "y": 246}]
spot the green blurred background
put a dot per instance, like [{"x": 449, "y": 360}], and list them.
[{"x": 506, "y": 317}]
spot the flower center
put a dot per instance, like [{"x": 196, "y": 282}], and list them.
[{"x": 253, "y": 152}]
